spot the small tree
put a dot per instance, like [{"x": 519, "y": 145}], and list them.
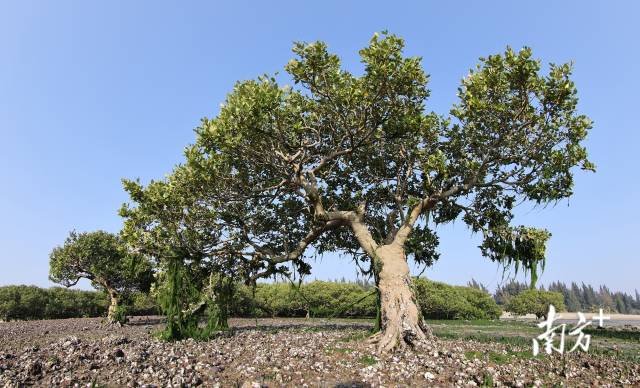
[
  {"x": 535, "y": 302},
  {"x": 102, "y": 258}
]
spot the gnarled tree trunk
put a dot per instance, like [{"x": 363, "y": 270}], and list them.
[
  {"x": 400, "y": 317},
  {"x": 113, "y": 306}
]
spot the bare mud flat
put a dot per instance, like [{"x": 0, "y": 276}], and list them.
[
  {"x": 279, "y": 352},
  {"x": 632, "y": 320}
]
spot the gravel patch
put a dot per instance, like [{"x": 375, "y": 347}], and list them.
[{"x": 277, "y": 352}]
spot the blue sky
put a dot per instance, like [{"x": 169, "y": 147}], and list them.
[{"x": 91, "y": 92}]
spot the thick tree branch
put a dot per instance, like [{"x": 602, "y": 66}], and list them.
[
  {"x": 407, "y": 226},
  {"x": 272, "y": 258},
  {"x": 362, "y": 234}
]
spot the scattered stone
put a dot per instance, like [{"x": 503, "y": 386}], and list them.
[
  {"x": 279, "y": 352},
  {"x": 34, "y": 368},
  {"x": 115, "y": 340},
  {"x": 68, "y": 342}
]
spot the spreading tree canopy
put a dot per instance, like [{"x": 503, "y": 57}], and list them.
[
  {"x": 102, "y": 258},
  {"x": 358, "y": 164},
  {"x": 176, "y": 222}
]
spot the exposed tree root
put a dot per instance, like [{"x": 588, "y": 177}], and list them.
[{"x": 397, "y": 339}]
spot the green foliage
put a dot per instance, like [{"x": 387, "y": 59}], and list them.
[
  {"x": 172, "y": 224},
  {"x": 141, "y": 303},
  {"x": 22, "y": 302},
  {"x": 535, "y": 302},
  {"x": 175, "y": 294},
  {"x": 281, "y": 156},
  {"x": 328, "y": 299},
  {"x": 219, "y": 303},
  {"x": 339, "y": 162},
  {"x": 504, "y": 292},
  {"x": 318, "y": 299},
  {"x": 184, "y": 304},
  {"x": 349, "y": 300},
  {"x": 585, "y": 298},
  {"x": 31, "y": 302},
  {"x": 102, "y": 258},
  {"x": 442, "y": 301},
  {"x": 119, "y": 314},
  {"x": 519, "y": 247},
  {"x": 368, "y": 360},
  {"x": 65, "y": 303},
  {"x": 478, "y": 285},
  {"x": 487, "y": 380}
]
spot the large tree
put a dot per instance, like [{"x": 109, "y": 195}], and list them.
[
  {"x": 357, "y": 164},
  {"x": 102, "y": 258}
]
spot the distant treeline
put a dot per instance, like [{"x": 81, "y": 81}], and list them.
[
  {"x": 582, "y": 297},
  {"x": 339, "y": 298},
  {"x": 31, "y": 302},
  {"x": 315, "y": 299}
]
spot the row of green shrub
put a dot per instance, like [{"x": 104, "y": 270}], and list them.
[
  {"x": 318, "y": 299},
  {"x": 348, "y": 300},
  {"x": 535, "y": 302},
  {"x": 315, "y": 299},
  {"x": 31, "y": 302},
  {"x": 442, "y": 301}
]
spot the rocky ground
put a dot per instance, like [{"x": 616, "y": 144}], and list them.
[{"x": 278, "y": 352}]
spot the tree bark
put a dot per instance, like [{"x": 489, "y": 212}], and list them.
[
  {"x": 377, "y": 326},
  {"x": 113, "y": 306},
  {"x": 401, "y": 321}
]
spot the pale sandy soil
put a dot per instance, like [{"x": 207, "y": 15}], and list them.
[{"x": 615, "y": 319}]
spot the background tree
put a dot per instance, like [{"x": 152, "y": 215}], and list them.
[
  {"x": 536, "y": 302},
  {"x": 22, "y": 302},
  {"x": 102, "y": 258},
  {"x": 30, "y": 302},
  {"x": 579, "y": 296},
  {"x": 356, "y": 164},
  {"x": 505, "y": 291},
  {"x": 442, "y": 301},
  {"x": 477, "y": 285}
]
